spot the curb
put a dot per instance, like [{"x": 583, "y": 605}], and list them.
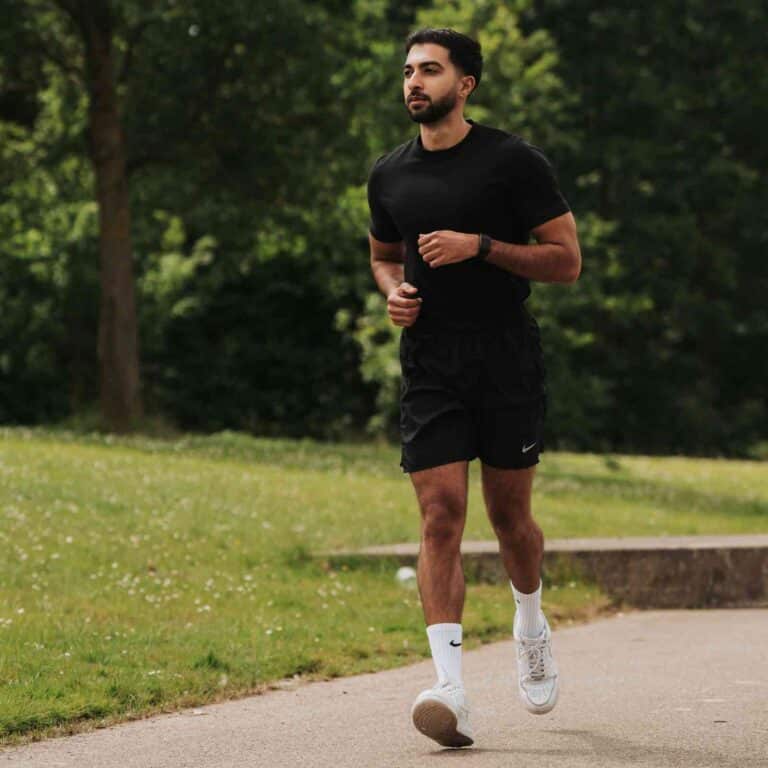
[{"x": 645, "y": 572}]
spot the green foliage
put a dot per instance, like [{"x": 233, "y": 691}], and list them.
[
  {"x": 48, "y": 261},
  {"x": 251, "y": 128},
  {"x": 520, "y": 90},
  {"x": 670, "y": 151},
  {"x": 379, "y": 340}
]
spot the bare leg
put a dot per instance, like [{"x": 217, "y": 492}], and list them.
[
  {"x": 507, "y": 494},
  {"x": 442, "y": 495}
]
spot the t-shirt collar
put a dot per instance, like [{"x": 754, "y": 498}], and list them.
[{"x": 448, "y": 150}]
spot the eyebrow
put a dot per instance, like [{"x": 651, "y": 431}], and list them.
[{"x": 424, "y": 64}]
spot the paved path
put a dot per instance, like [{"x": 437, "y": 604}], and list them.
[{"x": 657, "y": 688}]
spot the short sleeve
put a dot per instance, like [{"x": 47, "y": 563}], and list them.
[
  {"x": 534, "y": 188},
  {"x": 381, "y": 225}
]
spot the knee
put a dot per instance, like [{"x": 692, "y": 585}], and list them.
[
  {"x": 512, "y": 521},
  {"x": 442, "y": 523}
]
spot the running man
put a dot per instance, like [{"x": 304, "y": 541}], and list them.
[{"x": 452, "y": 213}]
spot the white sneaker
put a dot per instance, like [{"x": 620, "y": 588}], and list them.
[
  {"x": 442, "y": 713},
  {"x": 537, "y": 675}
]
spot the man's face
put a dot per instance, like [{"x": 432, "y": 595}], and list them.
[{"x": 431, "y": 83}]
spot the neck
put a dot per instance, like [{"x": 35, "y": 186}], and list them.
[{"x": 444, "y": 133}]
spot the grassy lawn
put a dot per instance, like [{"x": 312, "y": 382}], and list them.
[{"x": 143, "y": 575}]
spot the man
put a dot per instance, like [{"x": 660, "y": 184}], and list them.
[{"x": 452, "y": 212}]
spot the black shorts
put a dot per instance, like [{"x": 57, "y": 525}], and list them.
[{"x": 472, "y": 394}]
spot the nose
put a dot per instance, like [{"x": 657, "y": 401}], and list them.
[{"x": 414, "y": 81}]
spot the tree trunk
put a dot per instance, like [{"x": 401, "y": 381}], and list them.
[{"x": 118, "y": 346}]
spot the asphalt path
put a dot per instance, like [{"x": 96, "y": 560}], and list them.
[{"x": 653, "y": 688}]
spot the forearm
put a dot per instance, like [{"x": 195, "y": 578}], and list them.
[
  {"x": 387, "y": 274},
  {"x": 548, "y": 262},
  {"x": 556, "y": 258}
]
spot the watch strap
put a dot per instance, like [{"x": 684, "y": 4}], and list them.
[{"x": 485, "y": 247}]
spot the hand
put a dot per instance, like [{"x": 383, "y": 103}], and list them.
[
  {"x": 402, "y": 307},
  {"x": 446, "y": 247}
]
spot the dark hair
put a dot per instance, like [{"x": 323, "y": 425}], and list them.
[{"x": 464, "y": 52}]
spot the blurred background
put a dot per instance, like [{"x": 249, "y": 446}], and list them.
[{"x": 183, "y": 218}]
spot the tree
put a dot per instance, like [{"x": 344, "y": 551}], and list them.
[
  {"x": 227, "y": 119},
  {"x": 118, "y": 343},
  {"x": 78, "y": 37}
]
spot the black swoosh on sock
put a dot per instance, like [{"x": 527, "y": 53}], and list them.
[{"x": 455, "y": 645}]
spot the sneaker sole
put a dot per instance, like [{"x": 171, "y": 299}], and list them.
[{"x": 436, "y": 720}]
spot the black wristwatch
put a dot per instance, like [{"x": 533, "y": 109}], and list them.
[{"x": 484, "y": 249}]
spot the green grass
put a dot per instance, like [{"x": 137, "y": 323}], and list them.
[{"x": 143, "y": 575}]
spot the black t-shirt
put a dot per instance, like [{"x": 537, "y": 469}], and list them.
[{"x": 491, "y": 182}]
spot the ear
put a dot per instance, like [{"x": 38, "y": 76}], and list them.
[{"x": 468, "y": 84}]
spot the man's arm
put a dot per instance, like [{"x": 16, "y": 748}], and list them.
[
  {"x": 555, "y": 258},
  {"x": 388, "y": 272},
  {"x": 386, "y": 263}
]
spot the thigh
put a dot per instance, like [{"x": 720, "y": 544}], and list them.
[
  {"x": 436, "y": 427},
  {"x": 507, "y": 493},
  {"x": 442, "y": 491}
]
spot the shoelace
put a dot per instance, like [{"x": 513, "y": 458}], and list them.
[{"x": 534, "y": 652}]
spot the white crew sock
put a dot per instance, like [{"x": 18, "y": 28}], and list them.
[
  {"x": 528, "y": 611},
  {"x": 445, "y": 644}
]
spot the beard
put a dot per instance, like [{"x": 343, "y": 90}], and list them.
[{"x": 433, "y": 110}]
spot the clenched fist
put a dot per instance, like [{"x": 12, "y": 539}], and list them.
[
  {"x": 445, "y": 246},
  {"x": 402, "y": 307}
]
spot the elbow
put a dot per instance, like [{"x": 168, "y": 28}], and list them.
[
  {"x": 573, "y": 269},
  {"x": 572, "y": 276}
]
